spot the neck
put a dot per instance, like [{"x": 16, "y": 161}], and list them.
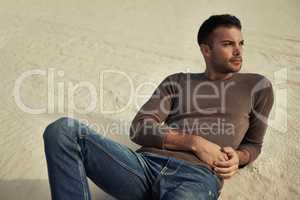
[{"x": 212, "y": 75}]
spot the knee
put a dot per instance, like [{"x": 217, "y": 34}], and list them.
[{"x": 54, "y": 130}]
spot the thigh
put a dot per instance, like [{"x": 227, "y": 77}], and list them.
[
  {"x": 115, "y": 168},
  {"x": 187, "y": 181},
  {"x": 189, "y": 191},
  {"x": 112, "y": 166}
]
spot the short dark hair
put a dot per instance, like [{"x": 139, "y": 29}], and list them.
[{"x": 213, "y": 22}]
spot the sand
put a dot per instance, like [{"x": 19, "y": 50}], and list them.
[{"x": 47, "y": 47}]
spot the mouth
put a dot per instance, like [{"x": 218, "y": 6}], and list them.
[{"x": 236, "y": 61}]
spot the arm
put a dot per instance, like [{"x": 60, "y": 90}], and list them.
[
  {"x": 147, "y": 128},
  {"x": 244, "y": 157},
  {"x": 179, "y": 141},
  {"x": 251, "y": 144},
  {"x": 263, "y": 100},
  {"x": 205, "y": 150}
]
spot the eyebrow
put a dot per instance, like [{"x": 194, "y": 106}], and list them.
[{"x": 231, "y": 41}]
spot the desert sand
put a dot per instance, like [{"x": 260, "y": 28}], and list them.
[{"x": 47, "y": 47}]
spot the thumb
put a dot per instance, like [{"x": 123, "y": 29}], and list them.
[{"x": 228, "y": 150}]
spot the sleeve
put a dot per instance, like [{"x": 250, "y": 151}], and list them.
[
  {"x": 148, "y": 128},
  {"x": 262, "y": 99}
]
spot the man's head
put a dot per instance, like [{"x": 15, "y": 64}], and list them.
[{"x": 221, "y": 43}]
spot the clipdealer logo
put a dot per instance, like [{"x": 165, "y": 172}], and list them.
[{"x": 277, "y": 119}]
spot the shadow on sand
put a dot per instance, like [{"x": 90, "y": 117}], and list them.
[{"x": 38, "y": 189}]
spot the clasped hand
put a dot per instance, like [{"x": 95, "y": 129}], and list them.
[
  {"x": 227, "y": 168},
  {"x": 224, "y": 161}
]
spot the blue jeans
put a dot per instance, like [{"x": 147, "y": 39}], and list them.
[{"x": 74, "y": 152}]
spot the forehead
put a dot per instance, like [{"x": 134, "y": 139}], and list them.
[{"x": 227, "y": 33}]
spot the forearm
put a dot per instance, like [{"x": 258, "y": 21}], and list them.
[
  {"x": 180, "y": 141},
  {"x": 187, "y": 142},
  {"x": 148, "y": 133}
]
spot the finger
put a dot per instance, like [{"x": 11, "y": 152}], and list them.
[
  {"x": 226, "y": 176},
  {"x": 225, "y": 170},
  {"x": 226, "y": 156},
  {"x": 223, "y": 157},
  {"x": 229, "y": 151},
  {"x": 223, "y": 164}
]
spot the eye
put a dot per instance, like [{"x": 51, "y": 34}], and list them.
[{"x": 226, "y": 44}]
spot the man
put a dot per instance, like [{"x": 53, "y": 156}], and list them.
[{"x": 196, "y": 130}]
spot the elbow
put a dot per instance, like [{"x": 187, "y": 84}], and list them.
[
  {"x": 133, "y": 134},
  {"x": 254, "y": 150}
]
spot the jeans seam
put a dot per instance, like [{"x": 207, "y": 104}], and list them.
[
  {"x": 161, "y": 173},
  {"x": 174, "y": 171},
  {"x": 172, "y": 189},
  {"x": 85, "y": 193},
  {"x": 219, "y": 183},
  {"x": 211, "y": 194},
  {"x": 115, "y": 159}
]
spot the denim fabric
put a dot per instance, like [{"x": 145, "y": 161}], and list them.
[{"x": 74, "y": 152}]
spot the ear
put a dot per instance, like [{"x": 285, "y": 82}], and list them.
[{"x": 205, "y": 50}]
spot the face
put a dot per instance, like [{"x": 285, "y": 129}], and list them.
[{"x": 226, "y": 50}]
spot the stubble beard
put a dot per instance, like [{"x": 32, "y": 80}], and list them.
[{"x": 225, "y": 67}]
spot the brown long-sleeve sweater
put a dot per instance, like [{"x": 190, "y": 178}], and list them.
[{"x": 230, "y": 112}]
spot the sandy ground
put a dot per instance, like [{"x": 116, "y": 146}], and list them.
[{"x": 74, "y": 42}]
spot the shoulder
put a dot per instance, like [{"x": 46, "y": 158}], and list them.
[
  {"x": 261, "y": 88},
  {"x": 255, "y": 80},
  {"x": 252, "y": 76},
  {"x": 174, "y": 77},
  {"x": 170, "y": 83},
  {"x": 183, "y": 76}
]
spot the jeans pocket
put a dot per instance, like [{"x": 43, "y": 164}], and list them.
[
  {"x": 171, "y": 170},
  {"x": 162, "y": 172},
  {"x": 153, "y": 155}
]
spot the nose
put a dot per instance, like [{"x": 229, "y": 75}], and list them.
[{"x": 237, "y": 50}]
